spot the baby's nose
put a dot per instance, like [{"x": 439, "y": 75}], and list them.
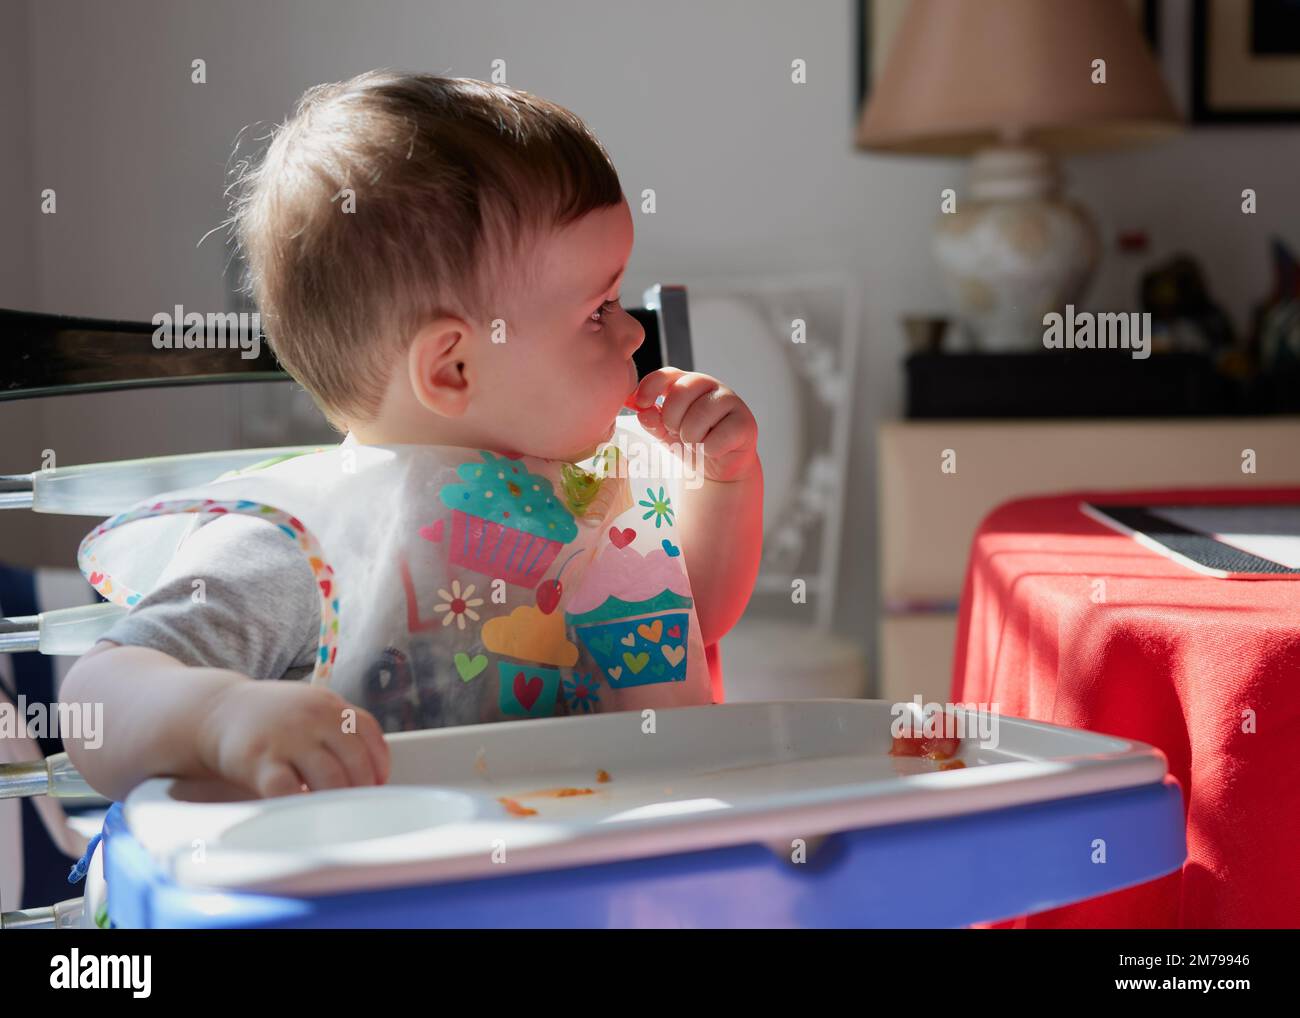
[{"x": 635, "y": 335}]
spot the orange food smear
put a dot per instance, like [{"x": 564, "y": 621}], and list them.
[
  {"x": 905, "y": 745},
  {"x": 513, "y": 805},
  {"x": 602, "y": 776},
  {"x": 555, "y": 793},
  {"x": 515, "y": 808},
  {"x": 930, "y": 748},
  {"x": 952, "y": 765}
]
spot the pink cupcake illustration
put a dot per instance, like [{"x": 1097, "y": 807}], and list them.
[
  {"x": 631, "y": 613},
  {"x": 506, "y": 522}
]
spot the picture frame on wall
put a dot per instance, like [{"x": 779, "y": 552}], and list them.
[
  {"x": 878, "y": 21},
  {"x": 1245, "y": 61}
]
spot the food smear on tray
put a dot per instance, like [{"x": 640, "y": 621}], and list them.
[
  {"x": 927, "y": 741},
  {"x": 931, "y": 748},
  {"x": 555, "y": 793},
  {"x": 516, "y": 809},
  {"x": 602, "y": 777}
]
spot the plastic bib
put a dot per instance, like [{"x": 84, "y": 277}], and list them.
[{"x": 460, "y": 586}]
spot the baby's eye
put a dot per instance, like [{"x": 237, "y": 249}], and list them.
[{"x": 599, "y": 314}]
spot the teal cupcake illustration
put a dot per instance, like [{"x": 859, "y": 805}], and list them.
[{"x": 506, "y": 522}]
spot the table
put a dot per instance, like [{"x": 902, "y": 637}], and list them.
[{"x": 1064, "y": 620}]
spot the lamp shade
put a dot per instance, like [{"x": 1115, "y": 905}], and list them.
[{"x": 965, "y": 74}]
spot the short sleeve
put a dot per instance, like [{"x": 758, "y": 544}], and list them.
[{"x": 237, "y": 594}]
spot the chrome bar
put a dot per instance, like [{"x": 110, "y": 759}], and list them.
[
  {"x": 20, "y": 633},
  {"x": 17, "y": 491},
  {"x": 20, "y": 780},
  {"x": 61, "y": 916}
]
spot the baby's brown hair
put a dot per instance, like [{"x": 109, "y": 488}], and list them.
[{"x": 453, "y": 180}]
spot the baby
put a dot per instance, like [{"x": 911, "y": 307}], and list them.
[{"x": 438, "y": 262}]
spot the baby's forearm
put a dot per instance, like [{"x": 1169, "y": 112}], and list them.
[
  {"x": 152, "y": 715},
  {"x": 723, "y": 534}
]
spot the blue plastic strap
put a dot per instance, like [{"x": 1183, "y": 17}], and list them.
[{"x": 82, "y": 865}]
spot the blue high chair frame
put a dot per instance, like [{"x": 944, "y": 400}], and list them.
[
  {"x": 949, "y": 872},
  {"x": 943, "y": 873}
]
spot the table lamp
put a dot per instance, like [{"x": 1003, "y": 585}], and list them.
[{"x": 1015, "y": 82}]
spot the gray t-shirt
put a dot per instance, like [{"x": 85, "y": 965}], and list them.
[{"x": 259, "y": 612}]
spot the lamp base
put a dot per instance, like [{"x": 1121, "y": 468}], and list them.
[{"x": 1014, "y": 250}]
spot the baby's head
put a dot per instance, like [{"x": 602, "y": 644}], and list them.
[{"x": 438, "y": 261}]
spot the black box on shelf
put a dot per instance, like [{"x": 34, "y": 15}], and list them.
[{"x": 1068, "y": 383}]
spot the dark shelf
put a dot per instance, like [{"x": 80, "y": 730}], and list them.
[{"x": 1088, "y": 383}]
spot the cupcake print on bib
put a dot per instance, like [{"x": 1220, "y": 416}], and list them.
[
  {"x": 632, "y": 612},
  {"x": 506, "y": 522},
  {"x": 531, "y": 647}
]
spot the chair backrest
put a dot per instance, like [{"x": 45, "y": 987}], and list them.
[
  {"x": 788, "y": 344},
  {"x": 52, "y": 355}
]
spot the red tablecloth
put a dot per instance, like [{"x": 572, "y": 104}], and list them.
[{"x": 1158, "y": 653}]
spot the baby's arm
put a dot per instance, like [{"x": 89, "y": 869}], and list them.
[
  {"x": 176, "y": 677},
  {"x": 161, "y": 717},
  {"x": 722, "y": 532},
  {"x": 722, "y": 512}
]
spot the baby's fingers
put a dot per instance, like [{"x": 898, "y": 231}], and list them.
[
  {"x": 321, "y": 769},
  {"x": 365, "y": 763},
  {"x": 652, "y": 387},
  {"x": 653, "y": 423},
  {"x": 273, "y": 778},
  {"x": 376, "y": 745}
]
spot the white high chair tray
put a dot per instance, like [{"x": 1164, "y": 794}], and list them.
[{"x": 705, "y": 778}]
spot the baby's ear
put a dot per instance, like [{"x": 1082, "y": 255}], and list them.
[{"x": 436, "y": 366}]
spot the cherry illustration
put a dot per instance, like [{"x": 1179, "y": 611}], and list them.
[
  {"x": 549, "y": 591},
  {"x": 548, "y": 595}
]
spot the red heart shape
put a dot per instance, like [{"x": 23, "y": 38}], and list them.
[
  {"x": 527, "y": 691},
  {"x": 96, "y": 579},
  {"x": 621, "y": 538},
  {"x": 675, "y": 631},
  {"x": 432, "y": 533},
  {"x": 325, "y": 587}
]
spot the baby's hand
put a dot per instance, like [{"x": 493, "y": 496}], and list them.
[
  {"x": 699, "y": 409},
  {"x": 274, "y": 737}
]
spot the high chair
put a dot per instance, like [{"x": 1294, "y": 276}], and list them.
[
  {"x": 53, "y": 355},
  {"x": 781, "y": 813}
]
